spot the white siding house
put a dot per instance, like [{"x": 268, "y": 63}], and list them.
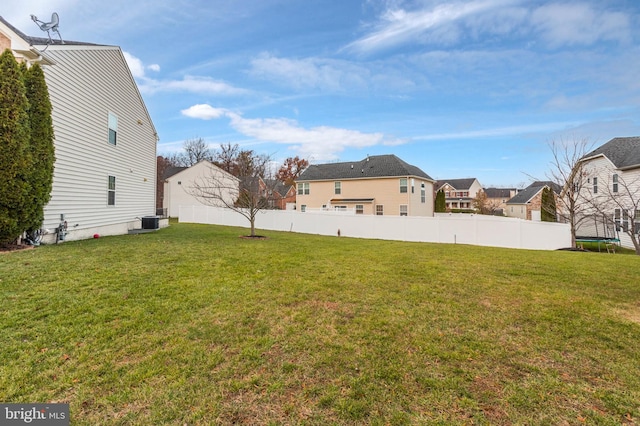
[
  {"x": 105, "y": 142},
  {"x": 612, "y": 188},
  {"x": 179, "y": 186}
]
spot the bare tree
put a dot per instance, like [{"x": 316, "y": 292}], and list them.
[
  {"x": 226, "y": 157},
  {"x": 247, "y": 191},
  {"x": 196, "y": 150},
  {"x": 567, "y": 171},
  {"x": 193, "y": 151}
]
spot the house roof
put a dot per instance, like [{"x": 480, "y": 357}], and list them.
[
  {"x": 498, "y": 192},
  {"x": 172, "y": 170},
  {"x": 40, "y": 41},
  {"x": 624, "y": 153},
  {"x": 524, "y": 196},
  {"x": 278, "y": 186},
  {"x": 540, "y": 183},
  {"x": 375, "y": 166},
  {"x": 459, "y": 184}
]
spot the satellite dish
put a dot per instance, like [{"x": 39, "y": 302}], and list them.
[{"x": 49, "y": 26}]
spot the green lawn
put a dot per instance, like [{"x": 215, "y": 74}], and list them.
[{"x": 193, "y": 325}]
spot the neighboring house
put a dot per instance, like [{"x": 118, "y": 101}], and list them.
[
  {"x": 282, "y": 196},
  {"x": 105, "y": 142},
  {"x": 379, "y": 184},
  {"x": 179, "y": 183},
  {"x": 459, "y": 193},
  {"x": 497, "y": 199},
  {"x": 527, "y": 203},
  {"x": 612, "y": 183}
]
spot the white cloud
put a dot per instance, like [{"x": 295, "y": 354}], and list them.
[
  {"x": 500, "y": 131},
  {"x": 191, "y": 84},
  {"x": 332, "y": 74},
  {"x": 399, "y": 26},
  {"x": 203, "y": 112},
  {"x": 554, "y": 23},
  {"x": 308, "y": 73},
  {"x": 318, "y": 143},
  {"x": 135, "y": 65},
  {"x": 579, "y": 24}
]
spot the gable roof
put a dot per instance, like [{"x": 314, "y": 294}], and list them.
[
  {"x": 526, "y": 195},
  {"x": 498, "y": 192},
  {"x": 624, "y": 153},
  {"x": 375, "y": 166},
  {"x": 458, "y": 184},
  {"x": 540, "y": 183},
  {"x": 172, "y": 170},
  {"x": 278, "y": 186}
]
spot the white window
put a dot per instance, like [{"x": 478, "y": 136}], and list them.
[
  {"x": 359, "y": 209},
  {"x": 303, "y": 188},
  {"x": 111, "y": 191},
  {"x": 379, "y": 210},
  {"x": 595, "y": 185},
  {"x": 413, "y": 184},
  {"x": 113, "y": 128},
  {"x": 615, "y": 183},
  {"x": 404, "y": 211},
  {"x": 403, "y": 186},
  {"x": 423, "y": 193},
  {"x": 337, "y": 188},
  {"x": 303, "y": 208},
  {"x": 621, "y": 219}
]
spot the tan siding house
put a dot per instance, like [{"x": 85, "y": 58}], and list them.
[
  {"x": 105, "y": 142},
  {"x": 377, "y": 185}
]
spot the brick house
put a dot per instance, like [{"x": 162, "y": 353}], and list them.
[{"x": 527, "y": 203}]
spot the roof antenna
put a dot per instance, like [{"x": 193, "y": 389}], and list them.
[{"x": 49, "y": 26}]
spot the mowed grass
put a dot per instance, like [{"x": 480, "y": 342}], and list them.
[{"x": 194, "y": 325}]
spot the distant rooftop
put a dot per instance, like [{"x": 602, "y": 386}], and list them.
[
  {"x": 459, "y": 184},
  {"x": 371, "y": 167}
]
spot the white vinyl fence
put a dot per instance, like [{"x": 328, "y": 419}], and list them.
[{"x": 444, "y": 228}]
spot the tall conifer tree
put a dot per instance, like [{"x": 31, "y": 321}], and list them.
[
  {"x": 441, "y": 202},
  {"x": 14, "y": 151},
  {"x": 548, "y": 206},
  {"x": 40, "y": 173}
]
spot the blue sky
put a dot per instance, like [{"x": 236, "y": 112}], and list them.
[{"x": 474, "y": 88}]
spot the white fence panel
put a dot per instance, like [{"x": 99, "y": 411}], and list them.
[{"x": 443, "y": 228}]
